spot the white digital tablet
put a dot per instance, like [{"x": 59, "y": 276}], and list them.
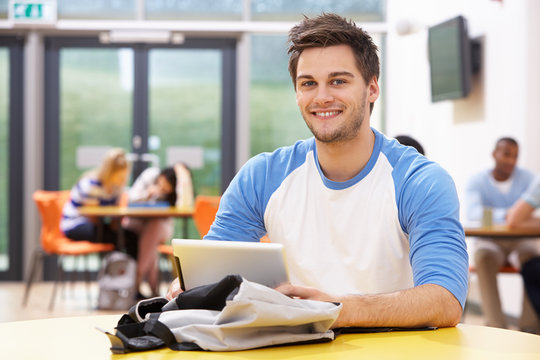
[{"x": 203, "y": 262}]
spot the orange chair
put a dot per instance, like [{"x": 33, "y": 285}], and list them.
[
  {"x": 205, "y": 211},
  {"x": 204, "y": 214},
  {"x": 53, "y": 241}
]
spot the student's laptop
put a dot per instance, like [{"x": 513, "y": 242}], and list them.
[{"x": 203, "y": 262}]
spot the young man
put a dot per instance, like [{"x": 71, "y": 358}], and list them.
[
  {"x": 364, "y": 220},
  {"x": 498, "y": 189}
]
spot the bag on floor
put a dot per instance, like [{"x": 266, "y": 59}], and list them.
[
  {"x": 232, "y": 314},
  {"x": 116, "y": 281}
]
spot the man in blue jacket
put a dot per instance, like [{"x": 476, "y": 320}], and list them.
[{"x": 495, "y": 191}]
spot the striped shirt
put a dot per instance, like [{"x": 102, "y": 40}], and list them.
[{"x": 87, "y": 191}]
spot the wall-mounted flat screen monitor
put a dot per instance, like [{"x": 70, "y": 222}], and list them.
[{"x": 450, "y": 60}]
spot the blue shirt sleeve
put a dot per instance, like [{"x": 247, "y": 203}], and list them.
[
  {"x": 241, "y": 211},
  {"x": 428, "y": 208}
]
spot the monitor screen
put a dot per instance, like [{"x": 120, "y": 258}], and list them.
[{"x": 450, "y": 60}]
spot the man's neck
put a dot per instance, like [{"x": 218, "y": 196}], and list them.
[
  {"x": 344, "y": 160},
  {"x": 498, "y": 176}
]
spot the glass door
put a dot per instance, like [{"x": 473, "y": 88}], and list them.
[
  {"x": 96, "y": 95},
  {"x": 185, "y": 112},
  {"x": 162, "y": 103}
]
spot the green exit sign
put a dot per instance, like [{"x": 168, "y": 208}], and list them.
[{"x": 35, "y": 12}]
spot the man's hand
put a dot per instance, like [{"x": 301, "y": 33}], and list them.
[
  {"x": 304, "y": 293},
  {"x": 310, "y": 294},
  {"x": 174, "y": 289}
]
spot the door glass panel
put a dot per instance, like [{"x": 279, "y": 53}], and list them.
[
  {"x": 96, "y": 88},
  {"x": 96, "y": 92},
  {"x": 185, "y": 113},
  {"x": 4, "y": 157},
  {"x": 272, "y": 126}
]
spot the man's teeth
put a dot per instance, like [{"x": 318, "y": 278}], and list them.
[{"x": 327, "y": 113}]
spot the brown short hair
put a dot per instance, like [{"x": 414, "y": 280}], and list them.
[{"x": 329, "y": 30}]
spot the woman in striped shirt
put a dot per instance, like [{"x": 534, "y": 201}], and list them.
[{"x": 102, "y": 186}]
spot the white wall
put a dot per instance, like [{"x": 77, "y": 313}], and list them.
[{"x": 505, "y": 101}]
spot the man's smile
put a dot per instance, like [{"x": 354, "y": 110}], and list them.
[{"x": 326, "y": 114}]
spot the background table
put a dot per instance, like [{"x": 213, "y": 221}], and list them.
[
  {"x": 118, "y": 211},
  {"x": 143, "y": 211},
  {"x": 501, "y": 231},
  {"x": 77, "y": 338}
]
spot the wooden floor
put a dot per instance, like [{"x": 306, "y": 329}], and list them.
[{"x": 74, "y": 299}]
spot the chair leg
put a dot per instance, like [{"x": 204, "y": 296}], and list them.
[
  {"x": 37, "y": 258},
  {"x": 87, "y": 278},
  {"x": 59, "y": 278},
  {"x": 73, "y": 276}
]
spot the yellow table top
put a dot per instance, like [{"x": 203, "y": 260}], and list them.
[{"x": 76, "y": 338}]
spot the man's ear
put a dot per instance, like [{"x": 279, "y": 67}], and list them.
[{"x": 373, "y": 88}]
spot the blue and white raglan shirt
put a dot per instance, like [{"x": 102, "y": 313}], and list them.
[
  {"x": 393, "y": 226},
  {"x": 87, "y": 191}
]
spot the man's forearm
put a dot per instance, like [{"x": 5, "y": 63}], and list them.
[
  {"x": 531, "y": 223},
  {"x": 424, "y": 305},
  {"x": 521, "y": 216}
]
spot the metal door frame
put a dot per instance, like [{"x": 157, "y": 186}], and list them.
[{"x": 16, "y": 156}]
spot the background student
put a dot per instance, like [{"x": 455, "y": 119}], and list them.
[
  {"x": 99, "y": 187},
  {"x": 152, "y": 186},
  {"x": 495, "y": 190},
  {"x": 410, "y": 141}
]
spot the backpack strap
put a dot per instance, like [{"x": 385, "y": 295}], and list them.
[
  {"x": 158, "y": 329},
  {"x": 132, "y": 337}
]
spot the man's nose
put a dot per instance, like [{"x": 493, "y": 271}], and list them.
[{"x": 323, "y": 95}]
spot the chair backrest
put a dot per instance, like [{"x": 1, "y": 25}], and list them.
[
  {"x": 204, "y": 213},
  {"x": 50, "y": 205}
]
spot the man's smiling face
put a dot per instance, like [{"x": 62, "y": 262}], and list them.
[{"x": 331, "y": 93}]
